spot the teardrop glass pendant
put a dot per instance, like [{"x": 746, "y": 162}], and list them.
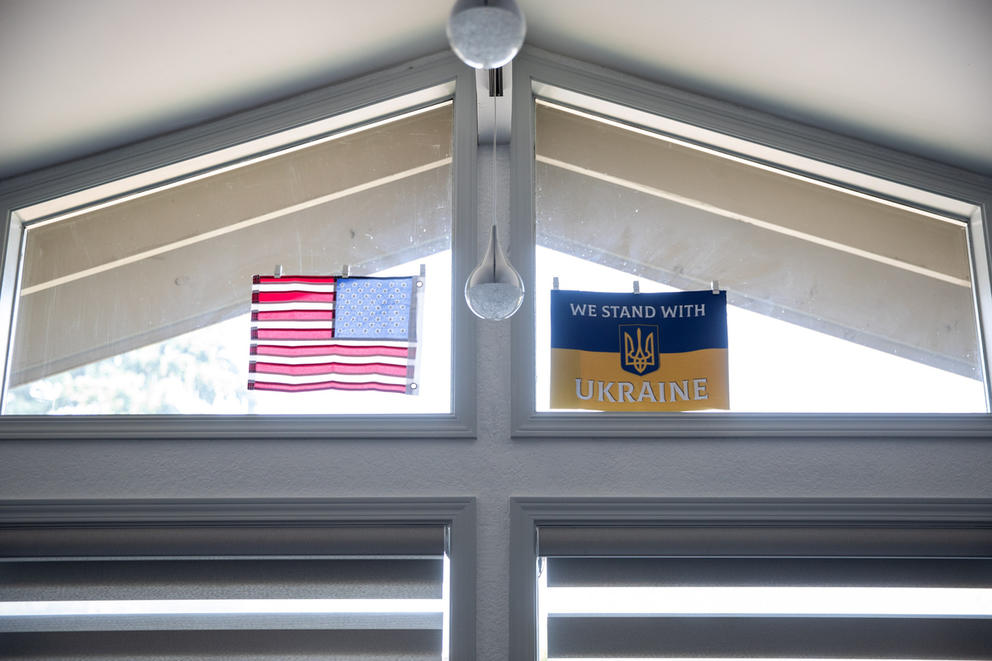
[{"x": 494, "y": 290}]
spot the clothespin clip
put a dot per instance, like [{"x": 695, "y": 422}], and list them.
[
  {"x": 637, "y": 286},
  {"x": 554, "y": 282},
  {"x": 420, "y": 283},
  {"x": 715, "y": 284},
  {"x": 278, "y": 271},
  {"x": 346, "y": 270}
]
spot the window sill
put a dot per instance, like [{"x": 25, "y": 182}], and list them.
[
  {"x": 234, "y": 427},
  {"x": 565, "y": 426}
]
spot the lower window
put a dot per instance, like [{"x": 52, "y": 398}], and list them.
[
  {"x": 694, "y": 582},
  {"x": 307, "y": 588}
]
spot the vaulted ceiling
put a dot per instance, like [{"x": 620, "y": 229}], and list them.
[{"x": 79, "y": 77}]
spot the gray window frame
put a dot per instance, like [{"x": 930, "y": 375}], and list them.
[
  {"x": 416, "y": 84},
  {"x": 919, "y": 183}
]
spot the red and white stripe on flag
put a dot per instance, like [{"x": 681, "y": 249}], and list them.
[{"x": 334, "y": 333}]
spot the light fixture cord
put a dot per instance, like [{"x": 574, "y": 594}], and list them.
[{"x": 493, "y": 166}]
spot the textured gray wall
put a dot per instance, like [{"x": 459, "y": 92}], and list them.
[{"x": 493, "y": 467}]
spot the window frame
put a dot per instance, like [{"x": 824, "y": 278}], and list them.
[
  {"x": 393, "y": 91},
  {"x": 527, "y": 514},
  {"x": 457, "y": 513},
  {"x": 819, "y": 154}
]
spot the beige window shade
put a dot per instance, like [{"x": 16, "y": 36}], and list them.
[
  {"x": 844, "y": 264},
  {"x": 119, "y": 277}
]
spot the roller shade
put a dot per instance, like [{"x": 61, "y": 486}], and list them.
[
  {"x": 94, "y": 541},
  {"x": 124, "y": 275},
  {"x": 768, "y": 638},
  {"x": 587, "y": 541},
  {"x": 347, "y": 591},
  {"x": 829, "y": 260},
  {"x": 226, "y": 645},
  {"x": 765, "y": 592}
]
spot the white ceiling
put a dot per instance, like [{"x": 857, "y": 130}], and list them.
[{"x": 80, "y": 76}]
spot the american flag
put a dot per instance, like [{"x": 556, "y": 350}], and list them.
[{"x": 319, "y": 333}]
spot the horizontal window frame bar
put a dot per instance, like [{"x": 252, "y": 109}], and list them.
[
  {"x": 796, "y": 426},
  {"x": 222, "y": 512},
  {"x": 451, "y": 426}
]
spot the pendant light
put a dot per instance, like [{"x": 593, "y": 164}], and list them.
[
  {"x": 494, "y": 290},
  {"x": 486, "y": 34}
]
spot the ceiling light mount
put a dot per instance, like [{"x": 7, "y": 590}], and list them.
[{"x": 486, "y": 34}]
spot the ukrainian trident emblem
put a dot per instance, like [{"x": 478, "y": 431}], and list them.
[{"x": 639, "y": 348}]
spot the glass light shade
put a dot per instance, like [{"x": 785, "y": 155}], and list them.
[
  {"x": 486, "y": 34},
  {"x": 494, "y": 290}
]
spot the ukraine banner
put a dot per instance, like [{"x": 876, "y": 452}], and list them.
[{"x": 639, "y": 352}]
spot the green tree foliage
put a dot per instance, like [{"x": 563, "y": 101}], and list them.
[{"x": 200, "y": 372}]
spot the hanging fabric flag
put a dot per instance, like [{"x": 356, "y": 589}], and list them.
[
  {"x": 319, "y": 333},
  {"x": 639, "y": 352}
]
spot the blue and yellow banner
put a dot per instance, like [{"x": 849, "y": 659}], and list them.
[{"x": 639, "y": 352}]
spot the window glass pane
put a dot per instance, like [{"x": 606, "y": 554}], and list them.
[
  {"x": 838, "y": 302},
  {"x": 141, "y": 305}
]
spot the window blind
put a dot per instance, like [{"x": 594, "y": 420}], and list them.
[
  {"x": 227, "y": 592},
  {"x": 764, "y": 592},
  {"x": 119, "y": 276},
  {"x": 827, "y": 259}
]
